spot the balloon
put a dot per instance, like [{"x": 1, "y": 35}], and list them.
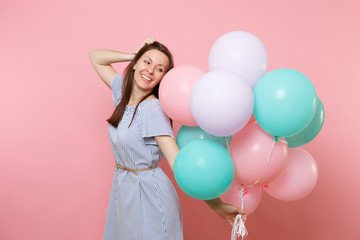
[
  {"x": 252, "y": 120},
  {"x": 204, "y": 169},
  {"x": 285, "y": 102},
  {"x": 311, "y": 130},
  {"x": 252, "y": 197},
  {"x": 187, "y": 134},
  {"x": 221, "y": 103},
  {"x": 298, "y": 178},
  {"x": 250, "y": 149},
  {"x": 242, "y": 53},
  {"x": 175, "y": 90}
]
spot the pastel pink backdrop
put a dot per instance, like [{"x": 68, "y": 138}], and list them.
[{"x": 56, "y": 164}]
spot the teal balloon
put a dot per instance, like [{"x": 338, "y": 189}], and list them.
[
  {"x": 188, "y": 134},
  {"x": 204, "y": 169},
  {"x": 311, "y": 130},
  {"x": 285, "y": 102}
]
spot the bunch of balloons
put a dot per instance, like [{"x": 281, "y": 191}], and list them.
[{"x": 224, "y": 152}]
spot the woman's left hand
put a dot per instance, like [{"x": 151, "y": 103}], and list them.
[{"x": 224, "y": 210}]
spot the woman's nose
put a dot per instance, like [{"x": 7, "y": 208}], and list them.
[{"x": 150, "y": 69}]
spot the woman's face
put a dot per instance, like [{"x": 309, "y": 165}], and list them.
[{"x": 150, "y": 69}]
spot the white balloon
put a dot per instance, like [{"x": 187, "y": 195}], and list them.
[
  {"x": 242, "y": 53},
  {"x": 221, "y": 103}
]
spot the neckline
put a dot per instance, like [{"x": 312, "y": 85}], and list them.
[{"x": 147, "y": 100}]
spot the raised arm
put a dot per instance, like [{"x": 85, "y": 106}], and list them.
[
  {"x": 101, "y": 60},
  {"x": 170, "y": 149}
]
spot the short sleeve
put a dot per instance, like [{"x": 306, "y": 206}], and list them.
[
  {"x": 116, "y": 85},
  {"x": 154, "y": 122}
]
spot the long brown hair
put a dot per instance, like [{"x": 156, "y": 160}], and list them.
[{"x": 127, "y": 85}]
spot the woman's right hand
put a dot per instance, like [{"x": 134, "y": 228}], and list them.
[
  {"x": 147, "y": 41},
  {"x": 102, "y": 61}
]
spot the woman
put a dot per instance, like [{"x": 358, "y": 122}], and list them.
[{"x": 143, "y": 202}]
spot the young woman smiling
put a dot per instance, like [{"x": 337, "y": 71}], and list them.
[{"x": 143, "y": 202}]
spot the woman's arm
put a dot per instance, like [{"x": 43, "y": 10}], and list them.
[
  {"x": 170, "y": 149},
  {"x": 101, "y": 60},
  {"x": 224, "y": 210}
]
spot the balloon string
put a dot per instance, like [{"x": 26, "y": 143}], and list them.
[
  {"x": 227, "y": 139},
  {"x": 268, "y": 160},
  {"x": 239, "y": 228},
  {"x": 242, "y": 190}
]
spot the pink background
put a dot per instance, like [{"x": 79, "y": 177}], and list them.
[{"x": 56, "y": 164}]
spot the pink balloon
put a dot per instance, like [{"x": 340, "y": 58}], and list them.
[
  {"x": 175, "y": 90},
  {"x": 252, "y": 120},
  {"x": 221, "y": 103},
  {"x": 252, "y": 197},
  {"x": 298, "y": 178},
  {"x": 250, "y": 149}
]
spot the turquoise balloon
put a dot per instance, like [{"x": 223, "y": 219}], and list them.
[
  {"x": 285, "y": 102},
  {"x": 204, "y": 169},
  {"x": 311, "y": 130},
  {"x": 188, "y": 134}
]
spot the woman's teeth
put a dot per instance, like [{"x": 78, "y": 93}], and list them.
[{"x": 146, "y": 78}]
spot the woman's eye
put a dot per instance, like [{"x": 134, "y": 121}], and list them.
[
  {"x": 147, "y": 62},
  {"x": 160, "y": 70}
]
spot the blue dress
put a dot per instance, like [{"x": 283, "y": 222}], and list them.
[{"x": 143, "y": 206}]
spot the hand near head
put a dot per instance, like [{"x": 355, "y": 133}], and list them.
[{"x": 146, "y": 42}]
